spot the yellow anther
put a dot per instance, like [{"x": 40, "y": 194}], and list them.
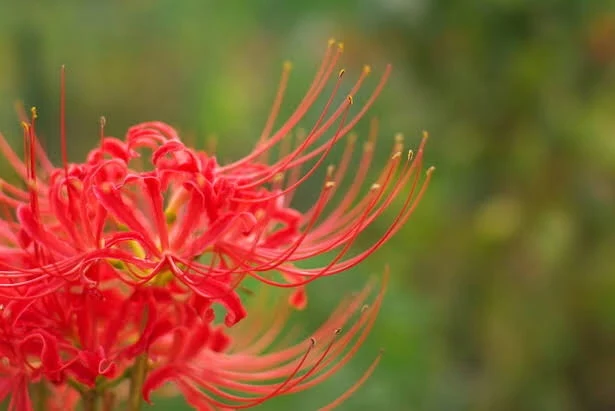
[
  {"x": 410, "y": 155},
  {"x": 367, "y": 69},
  {"x": 396, "y": 155},
  {"x": 340, "y": 46},
  {"x": 287, "y": 66},
  {"x": 375, "y": 187},
  {"x": 34, "y": 113},
  {"x": 341, "y": 73},
  {"x": 350, "y": 99},
  {"x": 331, "y": 42},
  {"x": 430, "y": 170},
  {"x": 330, "y": 184},
  {"x": 330, "y": 171},
  {"x": 399, "y": 138},
  {"x": 278, "y": 177}
]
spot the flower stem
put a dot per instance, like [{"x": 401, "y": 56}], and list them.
[
  {"x": 139, "y": 371},
  {"x": 41, "y": 396},
  {"x": 90, "y": 400}
]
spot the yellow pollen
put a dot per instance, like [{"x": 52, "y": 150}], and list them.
[
  {"x": 425, "y": 135},
  {"x": 34, "y": 113},
  {"x": 375, "y": 187},
  {"x": 367, "y": 69},
  {"x": 331, "y": 42},
  {"x": 278, "y": 177},
  {"x": 340, "y": 46},
  {"x": 350, "y": 99},
  {"x": 330, "y": 184}
]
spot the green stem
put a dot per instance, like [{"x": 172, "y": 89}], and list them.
[
  {"x": 90, "y": 400},
  {"x": 41, "y": 396},
  {"x": 139, "y": 371}
]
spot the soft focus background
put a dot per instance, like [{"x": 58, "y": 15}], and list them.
[{"x": 503, "y": 288}]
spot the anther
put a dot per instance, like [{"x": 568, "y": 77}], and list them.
[
  {"x": 410, "y": 155},
  {"x": 338, "y": 331},
  {"x": 367, "y": 69},
  {"x": 330, "y": 184},
  {"x": 350, "y": 99},
  {"x": 396, "y": 155},
  {"x": 287, "y": 66},
  {"x": 330, "y": 171},
  {"x": 312, "y": 341},
  {"x": 364, "y": 308},
  {"x": 399, "y": 138},
  {"x": 34, "y": 113},
  {"x": 375, "y": 187},
  {"x": 430, "y": 170},
  {"x": 278, "y": 177},
  {"x": 341, "y": 73}
]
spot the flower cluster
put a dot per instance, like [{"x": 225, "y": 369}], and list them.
[{"x": 110, "y": 269}]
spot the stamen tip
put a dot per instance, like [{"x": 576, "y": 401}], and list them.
[
  {"x": 430, "y": 170},
  {"x": 312, "y": 341},
  {"x": 350, "y": 99},
  {"x": 410, "y": 155},
  {"x": 331, "y": 42},
  {"x": 399, "y": 138},
  {"x": 330, "y": 170},
  {"x": 367, "y": 69},
  {"x": 340, "y": 46},
  {"x": 341, "y": 73},
  {"x": 396, "y": 155},
  {"x": 338, "y": 331},
  {"x": 287, "y": 66},
  {"x": 329, "y": 184},
  {"x": 34, "y": 112},
  {"x": 425, "y": 135},
  {"x": 375, "y": 187}
]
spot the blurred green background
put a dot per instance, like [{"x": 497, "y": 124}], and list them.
[{"x": 503, "y": 289}]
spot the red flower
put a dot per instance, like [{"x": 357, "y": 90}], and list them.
[
  {"x": 109, "y": 268},
  {"x": 215, "y": 368}
]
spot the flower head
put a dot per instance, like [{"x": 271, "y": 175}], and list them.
[{"x": 109, "y": 268}]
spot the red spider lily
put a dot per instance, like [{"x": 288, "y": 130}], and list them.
[
  {"x": 249, "y": 364},
  {"x": 160, "y": 231}
]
